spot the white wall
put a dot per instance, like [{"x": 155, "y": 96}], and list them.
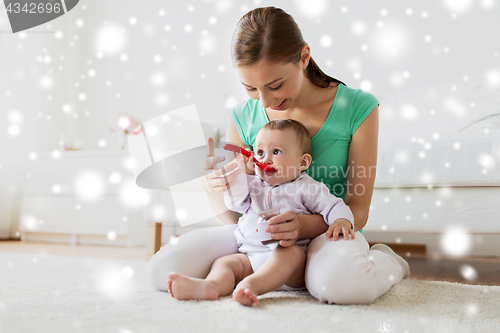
[{"x": 384, "y": 52}]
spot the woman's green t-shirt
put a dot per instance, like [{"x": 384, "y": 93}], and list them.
[{"x": 330, "y": 146}]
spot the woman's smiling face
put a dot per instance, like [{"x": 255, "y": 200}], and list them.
[{"x": 276, "y": 85}]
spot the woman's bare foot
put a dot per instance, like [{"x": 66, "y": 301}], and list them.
[
  {"x": 244, "y": 295},
  {"x": 185, "y": 288}
]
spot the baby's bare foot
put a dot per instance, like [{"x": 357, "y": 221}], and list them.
[
  {"x": 245, "y": 296},
  {"x": 185, "y": 288}
]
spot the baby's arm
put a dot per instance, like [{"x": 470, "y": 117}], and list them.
[
  {"x": 320, "y": 201},
  {"x": 334, "y": 211},
  {"x": 238, "y": 198}
]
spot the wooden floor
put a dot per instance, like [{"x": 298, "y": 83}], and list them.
[
  {"x": 108, "y": 252},
  {"x": 487, "y": 270},
  {"x": 422, "y": 267}
]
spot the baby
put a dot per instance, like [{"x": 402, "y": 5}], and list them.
[{"x": 261, "y": 267}]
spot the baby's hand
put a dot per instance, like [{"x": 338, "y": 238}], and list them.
[
  {"x": 340, "y": 226},
  {"x": 246, "y": 164}
]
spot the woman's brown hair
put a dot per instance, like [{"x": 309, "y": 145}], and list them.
[{"x": 270, "y": 33}]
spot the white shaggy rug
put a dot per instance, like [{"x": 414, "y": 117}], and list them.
[{"x": 47, "y": 293}]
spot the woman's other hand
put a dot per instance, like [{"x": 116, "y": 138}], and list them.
[
  {"x": 212, "y": 160},
  {"x": 340, "y": 227},
  {"x": 221, "y": 179},
  {"x": 284, "y": 227}
]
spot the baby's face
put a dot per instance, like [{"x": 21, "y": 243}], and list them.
[{"x": 279, "y": 149}]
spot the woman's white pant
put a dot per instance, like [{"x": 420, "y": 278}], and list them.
[{"x": 341, "y": 272}]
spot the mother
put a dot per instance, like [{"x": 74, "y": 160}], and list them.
[{"x": 282, "y": 80}]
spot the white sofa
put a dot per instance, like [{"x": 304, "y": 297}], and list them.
[
  {"x": 438, "y": 168},
  {"x": 422, "y": 194}
]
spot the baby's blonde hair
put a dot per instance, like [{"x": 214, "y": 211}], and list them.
[{"x": 301, "y": 132}]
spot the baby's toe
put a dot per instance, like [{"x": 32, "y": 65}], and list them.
[
  {"x": 238, "y": 293},
  {"x": 171, "y": 278},
  {"x": 251, "y": 296}
]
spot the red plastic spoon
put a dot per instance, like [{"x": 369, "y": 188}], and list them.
[{"x": 237, "y": 149}]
